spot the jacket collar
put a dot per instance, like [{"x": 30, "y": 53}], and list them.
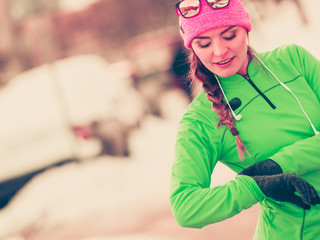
[{"x": 253, "y": 68}]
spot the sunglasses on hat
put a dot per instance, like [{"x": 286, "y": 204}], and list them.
[{"x": 190, "y": 8}]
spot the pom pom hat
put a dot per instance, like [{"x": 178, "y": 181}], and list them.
[{"x": 208, "y": 18}]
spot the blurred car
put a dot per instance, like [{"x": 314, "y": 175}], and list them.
[{"x": 46, "y": 112}]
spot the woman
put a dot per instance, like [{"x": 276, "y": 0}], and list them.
[{"x": 267, "y": 132}]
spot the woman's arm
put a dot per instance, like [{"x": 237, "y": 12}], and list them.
[
  {"x": 194, "y": 203},
  {"x": 301, "y": 157},
  {"x": 304, "y": 155}
]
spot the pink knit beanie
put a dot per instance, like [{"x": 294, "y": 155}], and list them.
[{"x": 208, "y": 18}]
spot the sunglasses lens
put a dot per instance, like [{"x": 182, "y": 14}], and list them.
[
  {"x": 189, "y": 8},
  {"x": 218, "y": 3}
]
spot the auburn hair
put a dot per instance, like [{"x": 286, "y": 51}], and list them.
[{"x": 198, "y": 72}]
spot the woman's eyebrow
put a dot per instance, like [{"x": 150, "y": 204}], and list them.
[
  {"x": 224, "y": 31},
  {"x": 200, "y": 37},
  {"x": 229, "y": 28}
]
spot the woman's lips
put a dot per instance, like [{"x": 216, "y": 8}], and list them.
[{"x": 224, "y": 62}]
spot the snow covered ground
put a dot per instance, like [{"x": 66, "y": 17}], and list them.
[
  {"x": 108, "y": 196},
  {"x": 127, "y": 198},
  {"x": 124, "y": 189}
]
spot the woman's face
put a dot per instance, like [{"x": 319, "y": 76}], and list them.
[{"x": 223, "y": 51}]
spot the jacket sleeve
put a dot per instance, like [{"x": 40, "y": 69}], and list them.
[
  {"x": 301, "y": 157},
  {"x": 194, "y": 203},
  {"x": 304, "y": 155}
]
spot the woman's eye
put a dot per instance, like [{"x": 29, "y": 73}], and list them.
[
  {"x": 204, "y": 45},
  {"x": 230, "y": 38}
]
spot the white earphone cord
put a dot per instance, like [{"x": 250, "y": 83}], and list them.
[
  {"x": 236, "y": 117},
  {"x": 239, "y": 116},
  {"x": 288, "y": 89}
]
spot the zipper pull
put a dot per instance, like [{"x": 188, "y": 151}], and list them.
[
  {"x": 259, "y": 91},
  {"x": 247, "y": 78}
]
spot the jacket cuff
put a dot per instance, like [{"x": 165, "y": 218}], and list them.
[
  {"x": 286, "y": 166},
  {"x": 254, "y": 190}
]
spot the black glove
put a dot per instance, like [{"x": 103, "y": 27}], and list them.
[
  {"x": 281, "y": 187},
  {"x": 266, "y": 167}
]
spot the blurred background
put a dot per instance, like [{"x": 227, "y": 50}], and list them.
[{"x": 91, "y": 94}]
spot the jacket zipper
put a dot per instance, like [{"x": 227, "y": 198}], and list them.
[{"x": 259, "y": 91}]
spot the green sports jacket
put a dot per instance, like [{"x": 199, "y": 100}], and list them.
[{"x": 272, "y": 126}]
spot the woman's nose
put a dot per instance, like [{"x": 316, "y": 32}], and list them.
[{"x": 219, "y": 49}]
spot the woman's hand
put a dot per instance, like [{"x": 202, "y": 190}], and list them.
[
  {"x": 266, "y": 167},
  {"x": 282, "y": 187}
]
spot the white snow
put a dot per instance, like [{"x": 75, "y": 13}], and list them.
[
  {"x": 121, "y": 193},
  {"x": 283, "y": 25},
  {"x": 37, "y": 105},
  {"x": 71, "y": 193},
  {"x": 74, "y": 5}
]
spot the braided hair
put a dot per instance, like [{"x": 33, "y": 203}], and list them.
[{"x": 214, "y": 94}]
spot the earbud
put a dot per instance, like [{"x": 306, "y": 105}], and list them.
[
  {"x": 236, "y": 117},
  {"x": 236, "y": 102}
]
